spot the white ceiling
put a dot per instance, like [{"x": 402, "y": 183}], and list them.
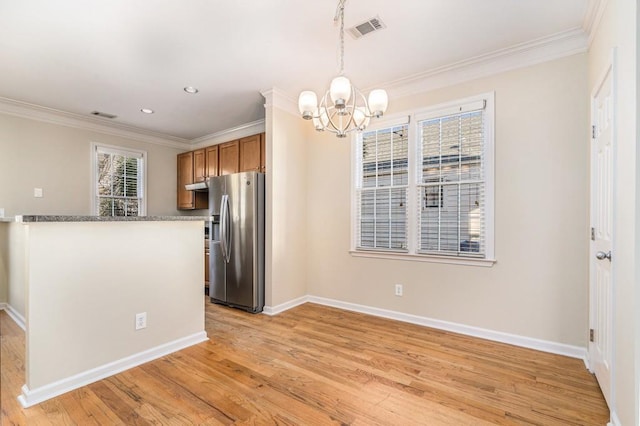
[{"x": 119, "y": 56}]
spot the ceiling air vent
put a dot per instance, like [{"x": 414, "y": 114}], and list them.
[
  {"x": 103, "y": 114},
  {"x": 367, "y": 27}
]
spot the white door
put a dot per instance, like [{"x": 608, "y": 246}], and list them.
[{"x": 601, "y": 314}]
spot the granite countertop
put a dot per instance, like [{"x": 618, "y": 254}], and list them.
[{"x": 49, "y": 218}]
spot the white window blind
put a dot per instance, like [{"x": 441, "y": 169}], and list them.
[
  {"x": 119, "y": 182},
  {"x": 451, "y": 184},
  {"x": 382, "y": 189},
  {"x": 425, "y": 190}
]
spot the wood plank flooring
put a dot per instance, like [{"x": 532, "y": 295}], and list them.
[{"x": 315, "y": 365}]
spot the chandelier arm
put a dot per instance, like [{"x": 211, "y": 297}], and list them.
[
  {"x": 350, "y": 125},
  {"x": 331, "y": 125},
  {"x": 367, "y": 110}
]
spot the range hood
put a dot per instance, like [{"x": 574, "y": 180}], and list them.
[{"x": 198, "y": 186}]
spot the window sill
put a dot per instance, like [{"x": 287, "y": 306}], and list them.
[{"x": 424, "y": 258}]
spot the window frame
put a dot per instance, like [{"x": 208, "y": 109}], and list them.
[
  {"x": 413, "y": 117},
  {"x": 95, "y": 146}
]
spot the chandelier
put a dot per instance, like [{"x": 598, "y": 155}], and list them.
[{"x": 343, "y": 108}]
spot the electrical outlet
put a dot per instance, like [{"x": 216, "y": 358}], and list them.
[
  {"x": 37, "y": 192},
  {"x": 141, "y": 320},
  {"x": 398, "y": 289}
]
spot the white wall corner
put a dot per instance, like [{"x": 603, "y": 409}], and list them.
[
  {"x": 593, "y": 17},
  {"x": 32, "y": 397},
  {"x": 280, "y": 99},
  {"x": 275, "y": 310}
]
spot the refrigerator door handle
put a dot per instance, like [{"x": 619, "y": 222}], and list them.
[
  {"x": 223, "y": 227},
  {"x": 228, "y": 229}
]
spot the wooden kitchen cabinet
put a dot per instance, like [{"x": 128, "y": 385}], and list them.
[
  {"x": 250, "y": 154},
  {"x": 246, "y": 154},
  {"x": 188, "y": 200},
  {"x": 199, "y": 165},
  {"x": 211, "y": 155},
  {"x": 185, "y": 176},
  {"x": 229, "y": 158}
]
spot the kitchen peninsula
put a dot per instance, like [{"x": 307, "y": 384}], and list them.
[{"x": 80, "y": 283}]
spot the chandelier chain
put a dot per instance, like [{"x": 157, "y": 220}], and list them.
[{"x": 340, "y": 15}]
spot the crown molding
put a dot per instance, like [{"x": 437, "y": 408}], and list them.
[
  {"x": 237, "y": 132},
  {"x": 62, "y": 118},
  {"x": 521, "y": 55},
  {"x": 280, "y": 99},
  {"x": 593, "y": 17}
]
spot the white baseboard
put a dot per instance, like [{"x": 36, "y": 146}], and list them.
[
  {"x": 615, "y": 421},
  {"x": 496, "y": 336},
  {"x": 31, "y": 397},
  {"x": 14, "y": 315},
  {"x": 274, "y": 310}
]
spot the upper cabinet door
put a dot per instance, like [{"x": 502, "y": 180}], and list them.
[
  {"x": 185, "y": 176},
  {"x": 212, "y": 161},
  {"x": 229, "y": 158},
  {"x": 250, "y": 154},
  {"x": 199, "y": 165}
]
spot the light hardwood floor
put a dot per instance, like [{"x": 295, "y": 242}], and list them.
[{"x": 316, "y": 365}]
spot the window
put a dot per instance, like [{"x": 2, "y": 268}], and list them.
[
  {"x": 119, "y": 181},
  {"x": 424, "y": 190},
  {"x": 382, "y": 193}
]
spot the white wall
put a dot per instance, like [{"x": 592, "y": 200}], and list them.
[
  {"x": 17, "y": 268},
  {"x": 539, "y": 286},
  {"x": 57, "y": 159},
  {"x": 286, "y": 206},
  {"x": 618, "y": 30},
  {"x": 86, "y": 281}
]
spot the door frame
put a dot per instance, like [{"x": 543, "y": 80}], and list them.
[{"x": 610, "y": 69}]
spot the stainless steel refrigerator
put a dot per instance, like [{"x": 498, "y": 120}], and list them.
[{"x": 236, "y": 240}]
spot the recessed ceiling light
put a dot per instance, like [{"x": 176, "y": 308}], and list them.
[
  {"x": 190, "y": 89},
  {"x": 147, "y": 110}
]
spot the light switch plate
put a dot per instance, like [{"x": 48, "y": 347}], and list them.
[{"x": 37, "y": 192}]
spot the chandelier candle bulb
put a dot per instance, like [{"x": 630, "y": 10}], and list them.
[
  {"x": 360, "y": 118},
  {"x": 340, "y": 91},
  {"x": 307, "y": 104},
  {"x": 378, "y": 102}
]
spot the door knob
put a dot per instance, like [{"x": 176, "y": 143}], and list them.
[{"x": 602, "y": 255}]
